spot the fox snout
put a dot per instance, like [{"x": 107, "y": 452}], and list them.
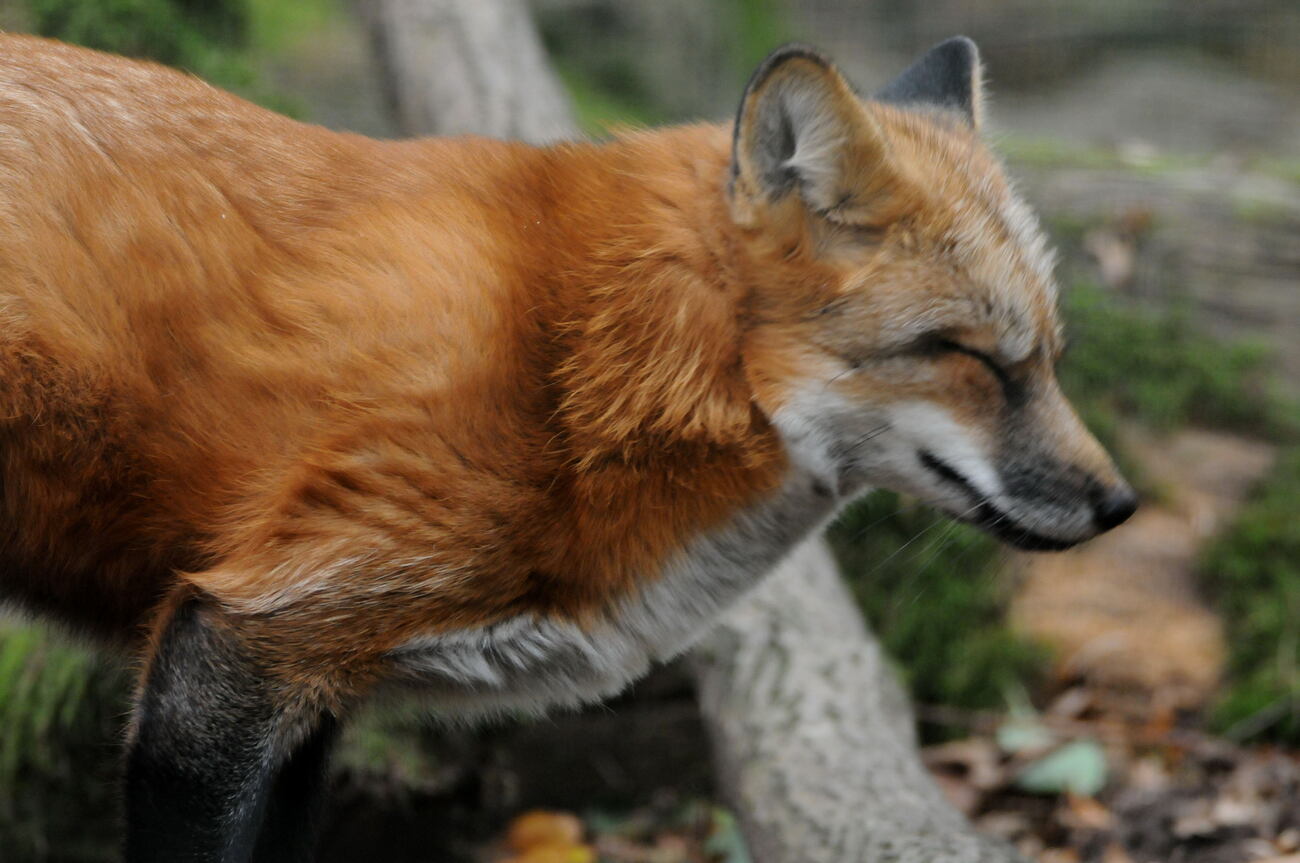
[
  {"x": 1071, "y": 466},
  {"x": 1068, "y": 504},
  {"x": 1042, "y": 504},
  {"x": 1055, "y": 485}
]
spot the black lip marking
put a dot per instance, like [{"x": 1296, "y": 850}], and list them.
[
  {"x": 988, "y": 517},
  {"x": 949, "y": 473}
]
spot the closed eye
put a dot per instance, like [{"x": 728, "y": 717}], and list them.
[{"x": 942, "y": 345}]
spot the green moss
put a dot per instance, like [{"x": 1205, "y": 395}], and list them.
[
  {"x": 61, "y": 711},
  {"x": 1253, "y": 574},
  {"x": 1156, "y": 367}
]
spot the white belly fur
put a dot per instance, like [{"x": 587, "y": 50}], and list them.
[{"x": 529, "y": 664}]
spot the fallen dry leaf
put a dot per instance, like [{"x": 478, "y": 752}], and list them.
[
  {"x": 556, "y": 854},
  {"x": 533, "y": 829},
  {"x": 1086, "y": 813}
]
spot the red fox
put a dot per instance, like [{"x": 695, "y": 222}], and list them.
[{"x": 304, "y": 417}]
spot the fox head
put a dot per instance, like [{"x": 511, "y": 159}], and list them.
[{"x": 902, "y": 329}]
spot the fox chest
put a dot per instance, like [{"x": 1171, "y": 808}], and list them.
[{"x": 532, "y": 663}]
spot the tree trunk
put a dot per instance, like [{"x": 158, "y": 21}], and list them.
[
  {"x": 477, "y": 66},
  {"x": 811, "y": 732}
]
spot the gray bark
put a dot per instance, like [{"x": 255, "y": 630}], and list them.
[
  {"x": 812, "y": 733},
  {"x": 467, "y": 66},
  {"x": 814, "y": 736}
]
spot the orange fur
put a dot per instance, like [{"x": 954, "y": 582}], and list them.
[{"x": 244, "y": 348}]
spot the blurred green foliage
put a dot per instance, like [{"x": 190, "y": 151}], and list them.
[
  {"x": 760, "y": 26},
  {"x": 1156, "y": 366},
  {"x": 613, "y": 88},
  {"x": 170, "y": 31},
  {"x": 1253, "y": 574},
  {"x": 61, "y": 713},
  {"x": 217, "y": 40},
  {"x": 200, "y": 35},
  {"x": 602, "y": 109}
]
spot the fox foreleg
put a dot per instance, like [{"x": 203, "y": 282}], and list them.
[{"x": 223, "y": 767}]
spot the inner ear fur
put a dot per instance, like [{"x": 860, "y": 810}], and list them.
[{"x": 801, "y": 130}]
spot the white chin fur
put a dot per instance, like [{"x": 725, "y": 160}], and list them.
[
  {"x": 934, "y": 430},
  {"x": 815, "y": 424}
]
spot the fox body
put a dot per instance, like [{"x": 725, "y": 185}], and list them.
[{"x": 305, "y": 416}]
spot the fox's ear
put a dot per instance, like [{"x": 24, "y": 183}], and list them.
[
  {"x": 948, "y": 76},
  {"x": 802, "y": 130}
]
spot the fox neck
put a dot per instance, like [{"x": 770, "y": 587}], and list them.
[{"x": 661, "y": 437}]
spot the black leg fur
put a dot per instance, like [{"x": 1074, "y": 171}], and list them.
[
  {"x": 293, "y": 813},
  {"x": 201, "y": 769}
]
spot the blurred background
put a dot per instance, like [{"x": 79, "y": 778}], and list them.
[{"x": 1134, "y": 700}]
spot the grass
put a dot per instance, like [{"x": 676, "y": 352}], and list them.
[
  {"x": 1159, "y": 368},
  {"x": 1253, "y": 574},
  {"x": 60, "y": 717}
]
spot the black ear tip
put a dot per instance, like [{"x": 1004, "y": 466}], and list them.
[
  {"x": 947, "y": 76},
  {"x": 959, "y": 48}
]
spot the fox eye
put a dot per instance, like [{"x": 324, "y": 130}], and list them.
[{"x": 941, "y": 345}]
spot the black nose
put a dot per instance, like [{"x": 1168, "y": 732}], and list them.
[{"x": 1113, "y": 507}]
